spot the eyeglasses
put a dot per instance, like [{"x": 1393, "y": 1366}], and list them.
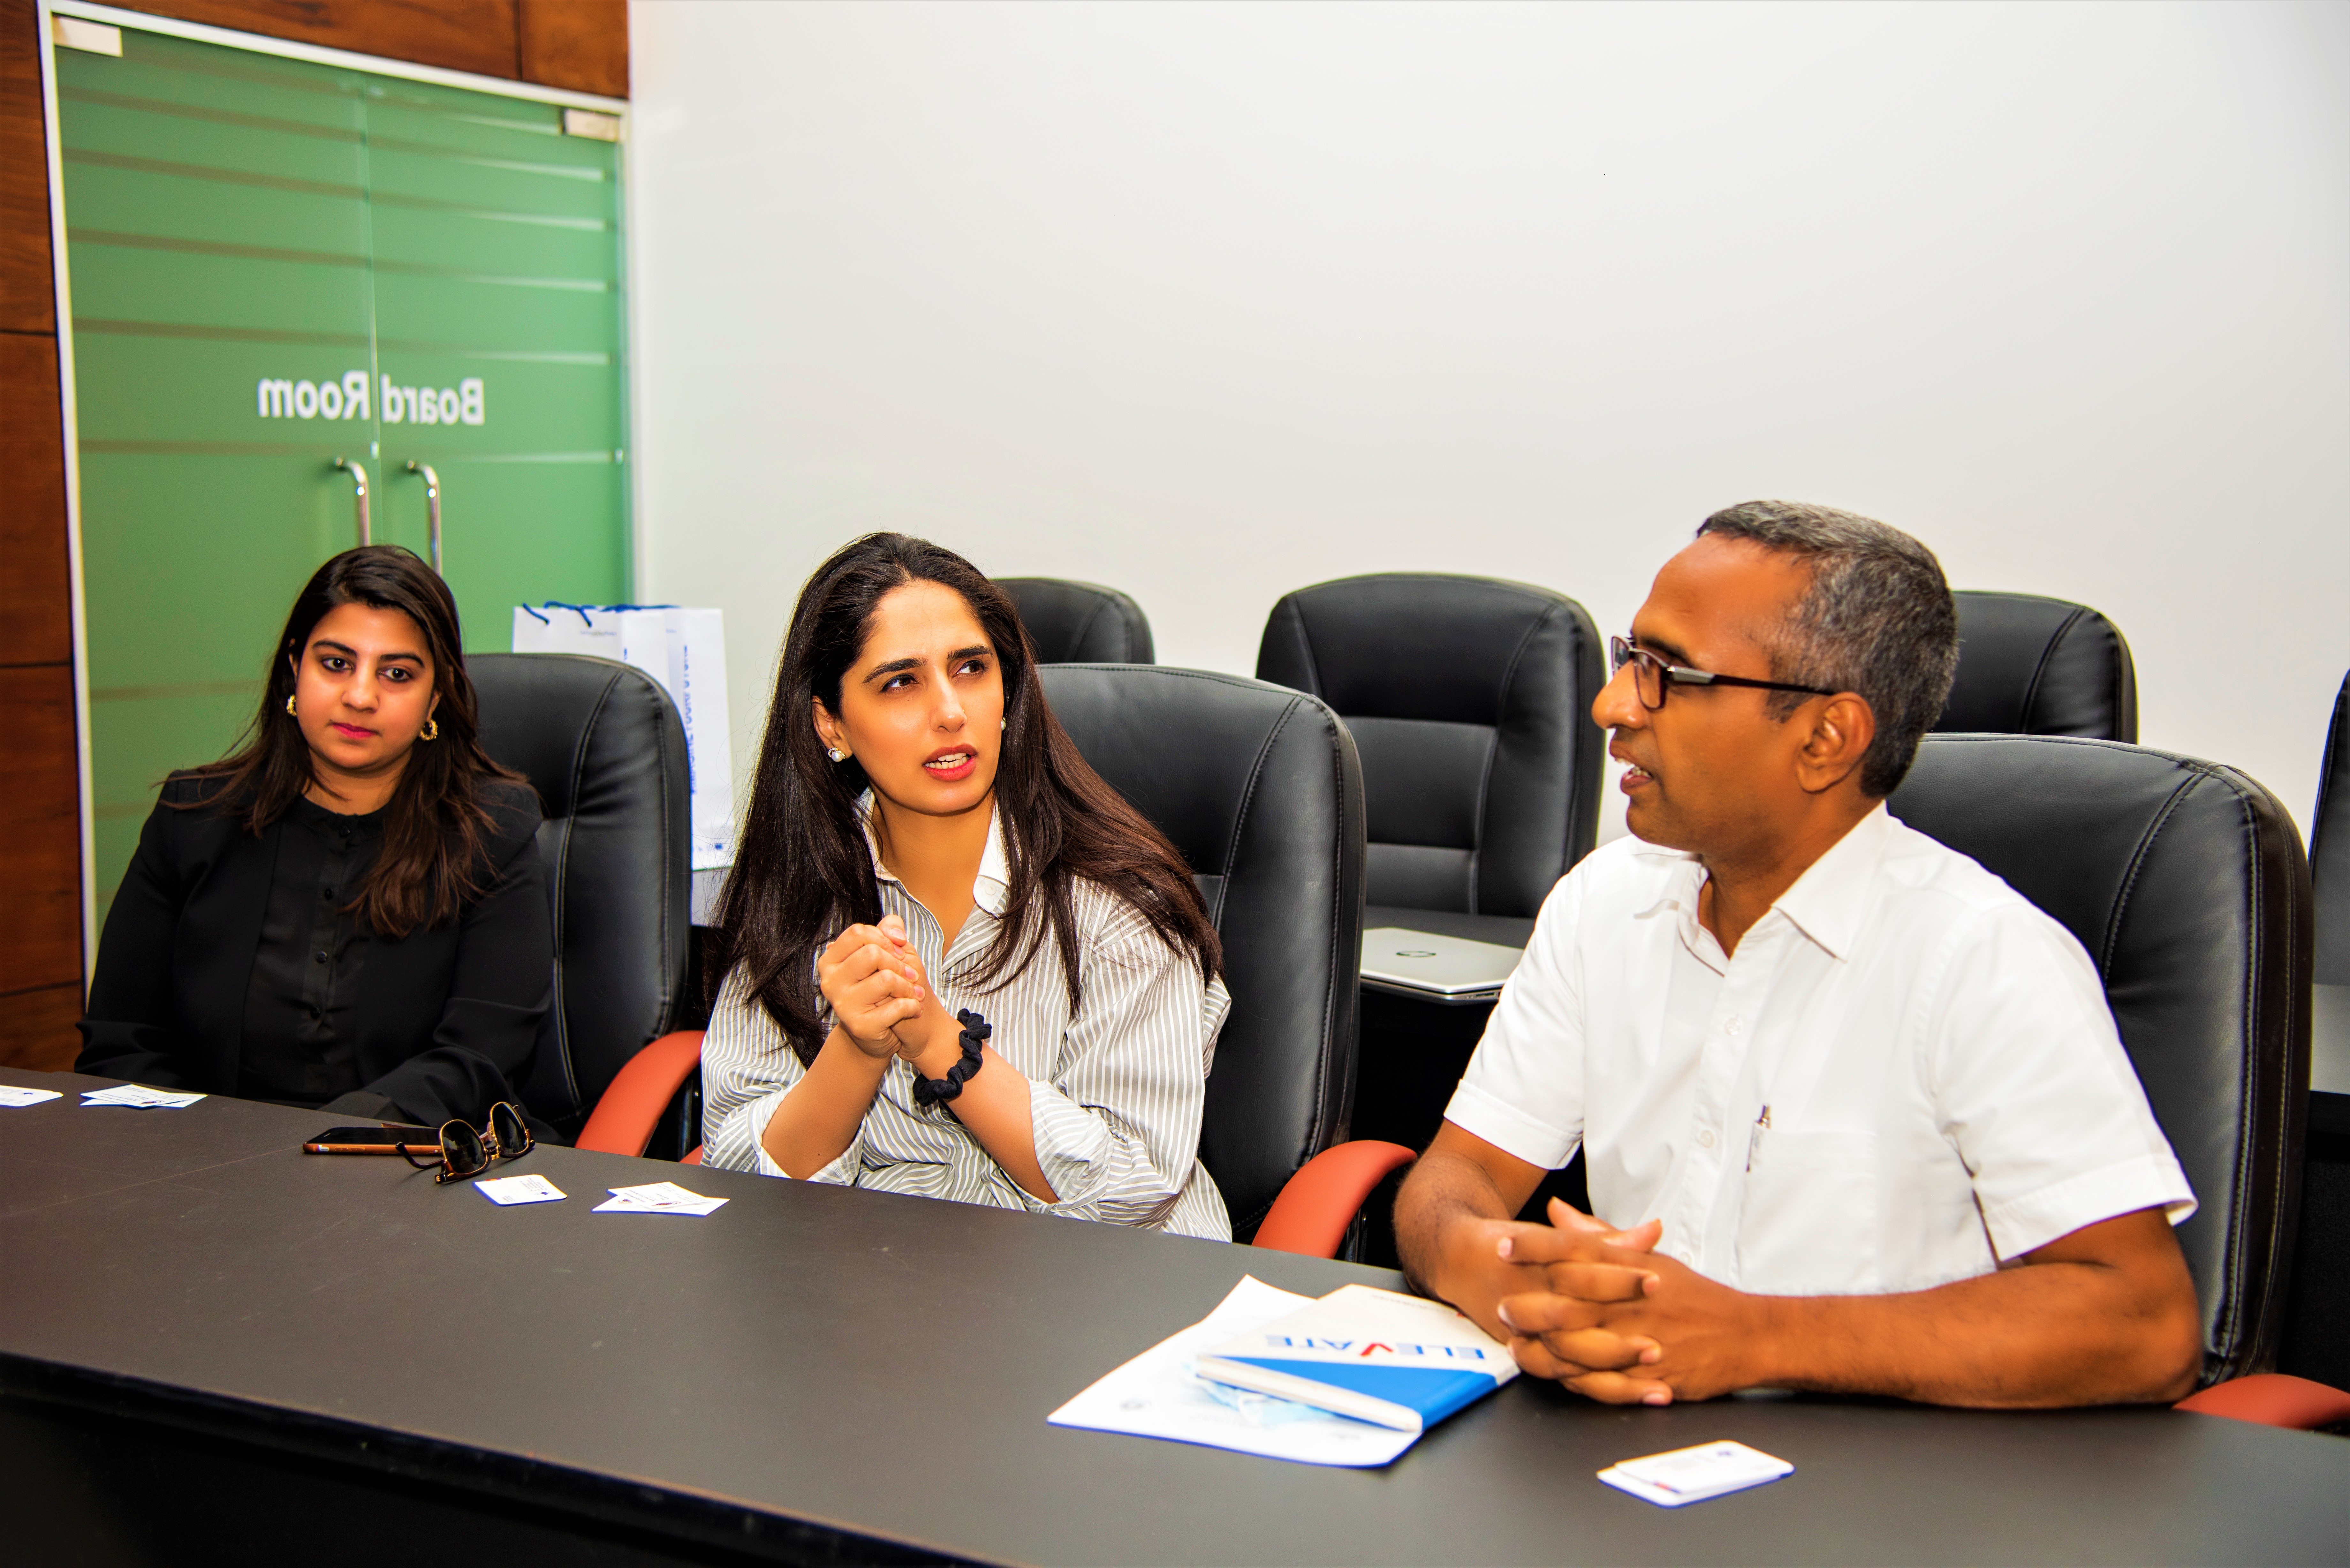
[
  {"x": 467, "y": 1150},
  {"x": 1652, "y": 677}
]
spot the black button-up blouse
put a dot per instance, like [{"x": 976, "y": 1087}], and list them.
[
  {"x": 299, "y": 1044},
  {"x": 229, "y": 964}
]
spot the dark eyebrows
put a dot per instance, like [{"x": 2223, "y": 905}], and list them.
[
  {"x": 899, "y": 666},
  {"x": 1659, "y": 646},
  {"x": 347, "y": 649}
]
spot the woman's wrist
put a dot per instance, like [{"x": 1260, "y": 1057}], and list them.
[
  {"x": 940, "y": 1047},
  {"x": 874, "y": 1054}
]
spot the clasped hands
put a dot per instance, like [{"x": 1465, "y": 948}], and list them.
[
  {"x": 1599, "y": 1310},
  {"x": 881, "y": 999}
]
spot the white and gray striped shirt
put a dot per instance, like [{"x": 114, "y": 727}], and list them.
[{"x": 1114, "y": 1090}]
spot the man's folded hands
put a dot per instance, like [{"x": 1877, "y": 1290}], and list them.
[{"x": 1596, "y": 1326}]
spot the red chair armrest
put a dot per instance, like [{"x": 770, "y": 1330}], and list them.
[
  {"x": 2274, "y": 1399},
  {"x": 1317, "y": 1205},
  {"x": 692, "y": 1156},
  {"x": 625, "y": 1117}
]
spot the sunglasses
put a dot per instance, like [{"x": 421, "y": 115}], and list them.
[{"x": 467, "y": 1150}]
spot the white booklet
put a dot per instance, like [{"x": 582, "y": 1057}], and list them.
[
  {"x": 1157, "y": 1395},
  {"x": 1400, "y": 1361}
]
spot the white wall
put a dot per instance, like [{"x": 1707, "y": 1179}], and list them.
[{"x": 1211, "y": 302}]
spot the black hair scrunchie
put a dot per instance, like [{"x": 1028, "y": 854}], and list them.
[{"x": 939, "y": 1091}]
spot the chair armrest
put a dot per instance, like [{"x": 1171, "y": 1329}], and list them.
[
  {"x": 1318, "y": 1203},
  {"x": 2273, "y": 1400},
  {"x": 625, "y": 1117},
  {"x": 692, "y": 1156}
]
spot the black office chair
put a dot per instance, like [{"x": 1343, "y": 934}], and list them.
[
  {"x": 1080, "y": 623},
  {"x": 2186, "y": 883},
  {"x": 604, "y": 746},
  {"x": 2034, "y": 665},
  {"x": 2329, "y": 849},
  {"x": 1471, "y": 702},
  {"x": 1259, "y": 788}
]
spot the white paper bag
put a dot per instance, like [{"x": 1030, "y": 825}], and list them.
[{"x": 685, "y": 650}]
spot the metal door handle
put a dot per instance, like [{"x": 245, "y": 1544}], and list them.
[
  {"x": 432, "y": 506},
  {"x": 360, "y": 493}
]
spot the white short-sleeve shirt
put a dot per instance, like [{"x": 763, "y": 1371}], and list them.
[{"x": 1906, "y": 1074}]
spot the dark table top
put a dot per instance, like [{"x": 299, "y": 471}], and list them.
[{"x": 884, "y": 1365}]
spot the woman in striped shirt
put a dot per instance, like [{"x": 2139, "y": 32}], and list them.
[{"x": 957, "y": 963}]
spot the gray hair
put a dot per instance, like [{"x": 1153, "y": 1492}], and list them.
[{"x": 1878, "y": 620}]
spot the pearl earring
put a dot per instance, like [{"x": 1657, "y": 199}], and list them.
[{"x": 835, "y": 754}]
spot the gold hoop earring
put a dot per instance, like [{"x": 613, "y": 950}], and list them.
[
  {"x": 289, "y": 706},
  {"x": 431, "y": 731}
]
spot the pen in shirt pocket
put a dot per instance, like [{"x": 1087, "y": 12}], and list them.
[{"x": 1755, "y": 1138}]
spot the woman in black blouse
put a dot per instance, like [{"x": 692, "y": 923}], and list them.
[{"x": 348, "y": 913}]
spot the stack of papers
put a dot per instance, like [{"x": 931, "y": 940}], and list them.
[
  {"x": 1692, "y": 1475},
  {"x": 142, "y": 1098},
  {"x": 658, "y": 1198},
  {"x": 11, "y": 1095},
  {"x": 1158, "y": 1394}
]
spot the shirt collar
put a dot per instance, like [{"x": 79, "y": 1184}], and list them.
[
  {"x": 1825, "y": 904},
  {"x": 1830, "y": 898},
  {"x": 991, "y": 890}
]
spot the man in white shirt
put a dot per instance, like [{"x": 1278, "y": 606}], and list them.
[{"x": 1854, "y": 1114}]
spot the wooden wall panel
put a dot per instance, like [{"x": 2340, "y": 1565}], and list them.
[
  {"x": 478, "y": 35},
  {"x": 40, "y": 830},
  {"x": 37, "y": 1028},
  {"x": 582, "y": 44},
  {"x": 40, "y": 778},
  {"x": 36, "y": 589},
  {"x": 28, "y": 300}
]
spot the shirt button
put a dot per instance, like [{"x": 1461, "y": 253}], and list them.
[
  {"x": 320, "y": 957},
  {"x": 1733, "y": 1024},
  {"x": 1705, "y": 1140}
]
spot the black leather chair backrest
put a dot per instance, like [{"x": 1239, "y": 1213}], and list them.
[
  {"x": 1080, "y": 623},
  {"x": 604, "y": 746},
  {"x": 2185, "y": 881},
  {"x": 1259, "y": 788},
  {"x": 2031, "y": 665},
  {"x": 2329, "y": 849},
  {"x": 1470, "y": 701}
]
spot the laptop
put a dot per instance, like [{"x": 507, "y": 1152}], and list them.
[{"x": 1434, "y": 968}]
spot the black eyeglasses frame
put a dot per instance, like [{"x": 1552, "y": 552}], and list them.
[{"x": 1621, "y": 651}]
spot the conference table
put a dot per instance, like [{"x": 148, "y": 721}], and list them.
[{"x": 211, "y": 1344}]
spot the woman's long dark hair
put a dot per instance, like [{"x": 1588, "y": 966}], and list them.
[
  {"x": 802, "y": 866},
  {"x": 431, "y": 862}
]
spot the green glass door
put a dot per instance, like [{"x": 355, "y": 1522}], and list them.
[{"x": 273, "y": 264}]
